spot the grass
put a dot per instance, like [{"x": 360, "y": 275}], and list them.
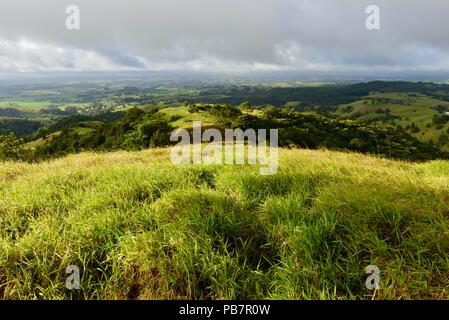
[
  {"x": 140, "y": 227},
  {"x": 87, "y": 127},
  {"x": 415, "y": 109},
  {"x": 180, "y": 117},
  {"x": 40, "y": 142},
  {"x": 34, "y": 106}
]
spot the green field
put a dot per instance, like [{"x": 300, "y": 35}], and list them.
[
  {"x": 415, "y": 109},
  {"x": 140, "y": 227},
  {"x": 183, "y": 118},
  {"x": 36, "y": 106},
  {"x": 25, "y": 105},
  {"x": 41, "y": 141}
]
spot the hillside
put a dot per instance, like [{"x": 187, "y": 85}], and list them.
[
  {"x": 140, "y": 227},
  {"x": 147, "y": 127},
  {"x": 43, "y": 104},
  {"x": 57, "y": 119},
  {"x": 422, "y": 116}
]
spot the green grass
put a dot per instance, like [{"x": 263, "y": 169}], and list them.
[
  {"x": 415, "y": 109},
  {"x": 25, "y": 105},
  {"x": 140, "y": 227},
  {"x": 180, "y": 117},
  {"x": 40, "y": 142},
  {"x": 88, "y": 127}
]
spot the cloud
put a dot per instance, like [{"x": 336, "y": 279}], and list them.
[
  {"x": 26, "y": 56},
  {"x": 224, "y": 35},
  {"x": 124, "y": 58}
]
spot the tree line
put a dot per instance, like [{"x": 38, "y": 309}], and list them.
[{"x": 138, "y": 129}]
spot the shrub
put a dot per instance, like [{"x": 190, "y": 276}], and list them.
[{"x": 11, "y": 147}]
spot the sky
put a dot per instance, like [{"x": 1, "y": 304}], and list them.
[{"x": 224, "y": 36}]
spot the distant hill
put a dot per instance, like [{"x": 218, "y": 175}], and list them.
[
  {"x": 322, "y": 97},
  {"x": 141, "y": 128},
  {"x": 405, "y": 120},
  {"x": 420, "y": 115}
]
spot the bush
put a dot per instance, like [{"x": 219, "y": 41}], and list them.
[
  {"x": 11, "y": 147},
  {"x": 226, "y": 111}
]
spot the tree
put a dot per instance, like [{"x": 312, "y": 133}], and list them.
[
  {"x": 443, "y": 139},
  {"x": 11, "y": 147},
  {"x": 414, "y": 128},
  {"x": 246, "y": 105}
]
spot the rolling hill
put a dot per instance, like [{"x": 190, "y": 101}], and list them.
[{"x": 414, "y": 112}]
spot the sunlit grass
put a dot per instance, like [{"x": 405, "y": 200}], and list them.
[{"x": 140, "y": 227}]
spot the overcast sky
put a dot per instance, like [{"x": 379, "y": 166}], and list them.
[{"x": 224, "y": 35}]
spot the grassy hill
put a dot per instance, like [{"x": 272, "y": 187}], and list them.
[
  {"x": 149, "y": 126},
  {"x": 405, "y": 109},
  {"x": 140, "y": 227}
]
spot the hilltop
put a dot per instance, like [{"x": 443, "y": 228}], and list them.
[{"x": 140, "y": 227}]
